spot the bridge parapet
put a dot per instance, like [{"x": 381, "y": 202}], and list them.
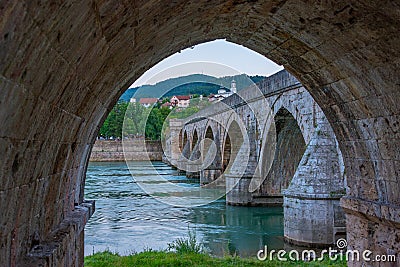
[{"x": 277, "y": 83}]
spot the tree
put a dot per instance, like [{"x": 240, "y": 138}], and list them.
[
  {"x": 135, "y": 117},
  {"x": 112, "y": 126},
  {"x": 155, "y": 122}
]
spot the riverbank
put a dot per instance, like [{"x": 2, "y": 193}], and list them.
[
  {"x": 163, "y": 258},
  {"x": 134, "y": 150}
]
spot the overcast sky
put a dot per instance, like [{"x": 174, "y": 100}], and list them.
[{"x": 230, "y": 59}]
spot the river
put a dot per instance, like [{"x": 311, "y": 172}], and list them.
[{"x": 129, "y": 220}]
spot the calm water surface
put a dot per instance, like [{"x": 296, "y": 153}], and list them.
[{"x": 128, "y": 220}]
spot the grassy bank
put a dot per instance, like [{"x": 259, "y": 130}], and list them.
[{"x": 164, "y": 258}]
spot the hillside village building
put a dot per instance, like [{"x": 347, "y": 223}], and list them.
[
  {"x": 223, "y": 93},
  {"x": 146, "y": 101},
  {"x": 180, "y": 101},
  {"x": 167, "y": 105}
]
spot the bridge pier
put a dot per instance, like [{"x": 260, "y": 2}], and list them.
[
  {"x": 209, "y": 175},
  {"x": 239, "y": 195},
  {"x": 181, "y": 172},
  {"x": 312, "y": 212},
  {"x": 238, "y": 180},
  {"x": 190, "y": 169},
  {"x": 183, "y": 158},
  {"x": 175, "y": 142},
  {"x": 193, "y": 175}
]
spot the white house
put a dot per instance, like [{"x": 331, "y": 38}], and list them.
[
  {"x": 224, "y": 93},
  {"x": 180, "y": 101},
  {"x": 148, "y": 101}
]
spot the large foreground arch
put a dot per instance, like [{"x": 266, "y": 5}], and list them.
[{"x": 64, "y": 65}]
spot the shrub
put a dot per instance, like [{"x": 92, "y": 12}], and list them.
[{"x": 187, "y": 245}]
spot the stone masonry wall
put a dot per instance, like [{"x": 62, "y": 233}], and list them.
[{"x": 135, "y": 150}]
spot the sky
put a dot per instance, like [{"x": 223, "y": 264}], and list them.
[{"x": 217, "y": 58}]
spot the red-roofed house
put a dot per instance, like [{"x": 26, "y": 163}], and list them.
[
  {"x": 148, "y": 101},
  {"x": 181, "y": 101}
]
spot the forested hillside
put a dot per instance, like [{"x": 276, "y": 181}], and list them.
[{"x": 191, "y": 84}]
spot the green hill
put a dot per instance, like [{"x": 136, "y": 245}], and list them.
[{"x": 191, "y": 84}]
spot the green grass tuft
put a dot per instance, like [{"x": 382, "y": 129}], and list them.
[{"x": 187, "y": 245}]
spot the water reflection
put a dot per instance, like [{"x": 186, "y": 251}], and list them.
[{"x": 127, "y": 219}]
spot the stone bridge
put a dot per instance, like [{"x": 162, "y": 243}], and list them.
[
  {"x": 301, "y": 162},
  {"x": 64, "y": 64}
]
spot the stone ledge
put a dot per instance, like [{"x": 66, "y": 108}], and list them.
[
  {"x": 48, "y": 252},
  {"x": 268, "y": 200},
  {"x": 90, "y": 205},
  {"x": 305, "y": 244},
  {"x": 377, "y": 212},
  {"x": 244, "y": 204},
  {"x": 311, "y": 196},
  {"x": 267, "y": 196},
  {"x": 244, "y": 176}
]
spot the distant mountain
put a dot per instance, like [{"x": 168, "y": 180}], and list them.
[
  {"x": 128, "y": 94},
  {"x": 191, "y": 84}
]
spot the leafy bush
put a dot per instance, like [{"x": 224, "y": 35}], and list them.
[{"x": 187, "y": 245}]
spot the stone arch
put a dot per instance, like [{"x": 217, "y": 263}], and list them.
[
  {"x": 212, "y": 132},
  {"x": 195, "y": 139},
  {"x": 60, "y": 77},
  {"x": 211, "y": 158},
  {"x": 290, "y": 147},
  {"x": 185, "y": 138},
  {"x": 209, "y": 132},
  {"x": 185, "y": 151},
  {"x": 226, "y": 153},
  {"x": 305, "y": 123},
  {"x": 209, "y": 137},
  {"x": 195, "y": 154},
  {"x": 180, "y": 140},
  {"x": 231, "y": 143}
]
